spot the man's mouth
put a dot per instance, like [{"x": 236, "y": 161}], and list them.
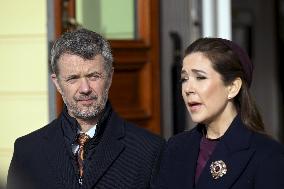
[{"x": 86, "y": 101}]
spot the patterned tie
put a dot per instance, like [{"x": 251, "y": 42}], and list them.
[{"x": 82, "y": 139}]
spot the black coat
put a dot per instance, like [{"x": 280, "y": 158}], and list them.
[
  {"x": 126, "y": 157},
  {"x": 253, "y": 161}
]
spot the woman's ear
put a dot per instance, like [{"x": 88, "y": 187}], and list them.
[{"x": 234, "y": 88}]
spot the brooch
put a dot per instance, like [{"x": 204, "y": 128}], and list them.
[{"x": 218, "y": 169}]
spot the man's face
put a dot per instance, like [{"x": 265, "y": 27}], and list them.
[{"x": 83, "y": 84}]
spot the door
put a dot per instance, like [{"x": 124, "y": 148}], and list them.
[{"x": 135, "y": 91}]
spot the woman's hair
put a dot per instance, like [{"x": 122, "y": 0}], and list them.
[{"x": 231, "y": 62}]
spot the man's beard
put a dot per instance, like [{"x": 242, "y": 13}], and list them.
[{"x": 83, "y": 111}]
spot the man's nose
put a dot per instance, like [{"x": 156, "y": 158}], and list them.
[{"x": 85, "y": 86}]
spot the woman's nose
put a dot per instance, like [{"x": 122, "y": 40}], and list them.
[{"x": 188, "y": 88}]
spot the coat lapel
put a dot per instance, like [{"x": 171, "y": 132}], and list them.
[
  {"x": 58, "y": 158},
  {"x": 178, "y": 162},
  {"x": 233, "y": 149},
  {"x": 106, "y": 152},
  {"x": 192, "y": 157}
]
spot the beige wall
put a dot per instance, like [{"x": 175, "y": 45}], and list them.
[{"x": 23, "y": 73}]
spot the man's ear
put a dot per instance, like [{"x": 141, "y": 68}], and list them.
[
  {"x": 55, "y": 82},
  {"x": 234, "y": 88},
  {"x": 110, "y": 77}
]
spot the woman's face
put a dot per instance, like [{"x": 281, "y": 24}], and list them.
[{"x": 204, "y": 93}]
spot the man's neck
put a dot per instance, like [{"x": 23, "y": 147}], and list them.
[{"x": 87, "y": 124}]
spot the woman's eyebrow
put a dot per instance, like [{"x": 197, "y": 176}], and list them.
[{"x": 198, "y": 71}]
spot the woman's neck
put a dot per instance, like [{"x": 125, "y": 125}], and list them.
[{"x": 221, "y": 123}]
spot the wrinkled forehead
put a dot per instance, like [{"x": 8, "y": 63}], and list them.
[{"x": 73, "y": 63}]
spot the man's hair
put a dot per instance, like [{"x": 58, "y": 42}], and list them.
[{"x": 84, "y": 43}]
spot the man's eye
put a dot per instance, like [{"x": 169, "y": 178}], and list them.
[
  {"x": 71, "y": 79},
  {"x": 95, "y": 77}
]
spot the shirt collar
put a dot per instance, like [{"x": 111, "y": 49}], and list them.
[{"x": 91, "y": 132}]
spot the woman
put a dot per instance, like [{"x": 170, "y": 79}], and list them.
[{"x": 228, "y": 148}]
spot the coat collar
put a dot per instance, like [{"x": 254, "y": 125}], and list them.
[
  {"x": 193, "y": 153},
  {"x": 106, "y": 152},
  {"x": 57, "y": 154},
  {"x": 237, "y": 137},
  {"x": 234, "y": 150},
  {"x": 70, "y": 126},
  {"x": 179, "y": 160}
]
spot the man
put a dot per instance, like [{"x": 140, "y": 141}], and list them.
[{"x": 88, "y": 145}]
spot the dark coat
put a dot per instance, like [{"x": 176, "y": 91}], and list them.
[
  {"x": 126, "y": 157},
  {"x": 253, "y": 161}
]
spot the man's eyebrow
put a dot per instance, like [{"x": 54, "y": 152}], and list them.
[
  {"x": 94, "y": 73},
  {"x": 71, "y": 76}
]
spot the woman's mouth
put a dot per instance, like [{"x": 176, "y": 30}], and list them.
[{"x": 194, "y": 106}]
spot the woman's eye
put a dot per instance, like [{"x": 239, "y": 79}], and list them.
[
  {"x": 200, "y": 77},
  {"x": 182, "y": 80}
]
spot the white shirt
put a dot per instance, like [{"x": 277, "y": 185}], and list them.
[{"x": 91, "y": 133}]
